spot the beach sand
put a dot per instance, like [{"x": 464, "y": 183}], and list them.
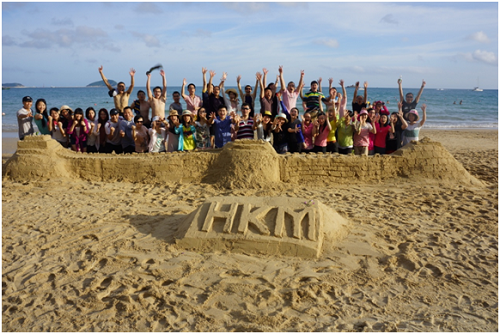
[{"x": 94, "y": 256}]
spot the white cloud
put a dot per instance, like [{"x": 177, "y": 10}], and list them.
[
  {"x": 485, "y": 56},
  {"x": 330, "y": 42},
  {"x": 479, "y": 36},
  {"x": 149, "y": 40}
]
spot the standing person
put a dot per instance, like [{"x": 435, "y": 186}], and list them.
[
  {"x": 41, "y": 116},
  {"x": 25, "y": 118},
  {"x": 383, "y": 127},
  {"x": 56, "y": 127},
  {"x": 176, "y": 105},
  {"x": 321, "y": 130},
  {"x": 358, "y": 101},
  {"x": 157, "y": 135},
  {"x": 231, "y": 101},
  {"x": 412, "y": 131},
  {"x": 249, "y": 96},
  {"x": 66, "y": 115},
  {"x": 266, "y": 97},
  {"x": 93, "y": 135},
  {"x": 361, "y": 133},
  {"x": 173, "y": 138},
  {"x": 313, "y": 98},
  {"x": 214, "y": 100},
  {"x": 290, "y": 94},
  {"x": 409, "y": 103},
  {"x": 294, "y": 137},
  {"x": 307, "y": 130},
  {"x": 202, "y": 130},
  {"x": 280, "y": 130},
  {"x": 186, "y": 132},
  {"x": 345, "y": 131},
  {"x": 244, "y": 125},
  {"x": 102, "y": 119},
  {"x": 221, "y": 127},
  {"x": 140, "y": 135},
  {"x": 78, "y": 130},
  {"x": 119, "y": 95},
  {"x": 264, "y": 126},
  {"x": 113, "y": 140},
  {"x": 333, "y": 118},
  {"x": 193, "y": 102},
  {"x": 141, "y": 107},
  {"x": 275, "y": 107},
  {"x": 125, "y": 126},
  {"x": 158, "y": 98},
  {"x": 394, "y": 140}
]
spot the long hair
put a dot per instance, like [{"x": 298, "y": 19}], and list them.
[
  {"x": 103, "y": 122},
  {"x": 44, "y": 113}
]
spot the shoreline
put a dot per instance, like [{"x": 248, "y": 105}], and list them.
[{"x": 452, "y": 139}]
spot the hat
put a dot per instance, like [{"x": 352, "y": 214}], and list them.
[
  {"x": 377, "y": 102},
  {"x": 267, "y": 113},
  {"x": 65, "y": 107},
  {"x": 186, "y": 112},
  {"x": 27, "y": 99},
  {"x": 231, "y": 90},
  {"x": 414, "y": 112},
  {"x": 112, "y": 93},
  {"x": 173, "y": 113},
  {"x": 281, "y": 115},
  {"x": 156, "y": 118},
  {"x": 113, "y": 112}
]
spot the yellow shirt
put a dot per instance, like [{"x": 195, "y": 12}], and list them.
[{"x": 331, "y": 134}]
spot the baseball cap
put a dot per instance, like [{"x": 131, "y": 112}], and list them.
[
  {"x": 113, "y": 112},
  {"x": 27, "y": 99}
]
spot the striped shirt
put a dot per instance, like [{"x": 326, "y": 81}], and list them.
[
  {"x": 312, "y": 99},
  {"x": 245, "y": 129}
]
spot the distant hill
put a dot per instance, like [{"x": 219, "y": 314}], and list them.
[
  {"x": 101, "y": 83},
  {"x": 12, "y": 85}
]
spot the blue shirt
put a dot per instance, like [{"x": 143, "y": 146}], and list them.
[
  {"x": 222, "y": 131},
  {"x": 126, "y": 126}
]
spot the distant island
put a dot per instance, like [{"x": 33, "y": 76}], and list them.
[
  {"x": 12, "y": 85},
  {"x": 101, "y": 83}
]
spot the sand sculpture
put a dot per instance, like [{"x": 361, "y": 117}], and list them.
[
  {"x": 268, "y": 225},
  {"x": 240, "y": 164}
]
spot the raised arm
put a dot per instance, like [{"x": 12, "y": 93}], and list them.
[
  {"x": 254, "y": 94},
  {"x": 210, "y": 89},
  {"x": 259, "y": 79},
  {"x": 424, "y": 114},
  {"x": 183, "y": 89},
  {"x": 330, "y": 82},
  {"x": 365, "y": 98},
  {"x": 104, "y": 79},
  {"x": 344, "y": 92},
  {"x": 300, "y": 85},
  {"x": 264, "y": 80},
  {"x": 148, "y": 86},
  {"x": 319, "y": 84},
  {"x": 164, "y": 80},
  {"x": 404, "y": 125},
  {"x": 132, "y": 75},
  {"x": 242, "y": 96},
  {"x": 204, "y": 72},
  {"x": 420, "y": 91},
  {"x": 282, "y": 81},
  {"x": 400, "y": 84},
  {"x": 356, "y": 87}
]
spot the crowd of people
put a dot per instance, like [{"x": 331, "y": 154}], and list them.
[{"x": 218, "y": 117}]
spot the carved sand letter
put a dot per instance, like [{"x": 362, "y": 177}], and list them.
[
  {"x": 213, "y": 212},
  {"x": 248, "y": 217}
]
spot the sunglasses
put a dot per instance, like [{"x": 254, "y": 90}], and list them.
[{"x": 140, "y": 122}]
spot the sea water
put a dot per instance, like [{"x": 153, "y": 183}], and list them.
[{"x": 446, "y": 109}]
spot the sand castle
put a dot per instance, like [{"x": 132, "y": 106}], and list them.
[{"x": 240, "y": 164}]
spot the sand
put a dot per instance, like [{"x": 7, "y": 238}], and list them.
[{"x": 97, "y": 256}]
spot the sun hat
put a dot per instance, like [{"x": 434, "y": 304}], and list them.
[
  {"x": 363, "y": 112},
  {"x": 282, "y": 115},
  {"x": 186, "y": 112},
  {"x": 27, "y": 99},
  {"x": 111, "y": 112},
  {"x": 65, "y": 107},
  {"x": 173, "y": 113},
  {"x": 156, "y": 118},
  {"x": 414, "y": 112},
  {"x": 231, "y": 90}
]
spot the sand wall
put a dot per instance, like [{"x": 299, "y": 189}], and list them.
[{"x": 241, "y": 164}]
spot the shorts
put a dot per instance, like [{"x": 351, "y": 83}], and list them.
[
  {"x": 379, "y": 150},
  {"x": 361, "y": 150},
  {"x": 331, "y": 147},
  {"x": 319, "y": 149},
  {"x": 346, "y": 151}
]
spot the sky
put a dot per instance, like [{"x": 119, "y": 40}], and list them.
[{"x": 447, "y": 44}]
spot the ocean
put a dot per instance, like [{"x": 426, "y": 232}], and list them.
[{"x": 444, "y": 111}]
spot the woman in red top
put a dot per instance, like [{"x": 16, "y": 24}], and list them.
[
  {"x": 322, "y": 128},
  {"x": 383, "y": 128}
]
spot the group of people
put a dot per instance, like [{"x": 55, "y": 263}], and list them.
[{"x": 218, "y": 117}]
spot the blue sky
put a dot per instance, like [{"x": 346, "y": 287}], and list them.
[{"x": 450, "y": 45}]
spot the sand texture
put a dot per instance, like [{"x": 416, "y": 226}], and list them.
[{"x": 418, "y": 254}]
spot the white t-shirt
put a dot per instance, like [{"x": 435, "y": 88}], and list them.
[{"x": 25, "y": 124}]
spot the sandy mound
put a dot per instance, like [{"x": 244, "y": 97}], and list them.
[{"x": 261, "y": 225}]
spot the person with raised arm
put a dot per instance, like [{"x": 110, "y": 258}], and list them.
[
  {"x": 394, "y": 140},
  {"x": 294, "y": 136},
  {"x": 358, "y": 101},
  {"x": 119, "y": 95},
  {"x": 221, "y": 126},
  {"x": 249, "y": 96},
  {"x": 141, "y": 107},
  {"x": 193, "y": 102},
  {"x": 409, "y": 103},
  {"x": 290, "y": 94},
  {"x": 275, "y": 107},
  {"x": 361, "y": 137},
  {"x": 412, "y": 131},
  {"x": 322, "y": 128},
  {"x": 266, "y": 97},
  {"x": 158, "y": 98}
]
